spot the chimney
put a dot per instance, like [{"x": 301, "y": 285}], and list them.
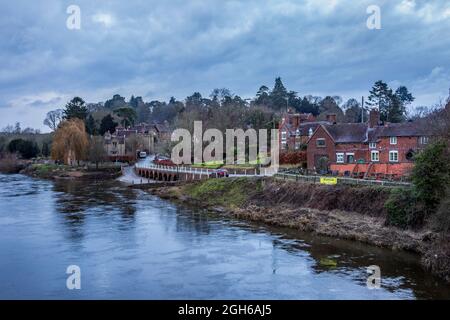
[
  {"x": 374, "y": 118},
  {"x": 332, "y": 118}
]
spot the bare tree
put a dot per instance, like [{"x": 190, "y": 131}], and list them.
[
  {"x": 53, "y": 118},
  {"x": 97, "y": 151}
]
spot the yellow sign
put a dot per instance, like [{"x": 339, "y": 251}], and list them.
[{"x": 329, "y": 181}]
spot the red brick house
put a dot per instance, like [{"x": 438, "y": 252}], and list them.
[
  {"x": 366, "y": 149},
  {"x": 295, "y": 130}
]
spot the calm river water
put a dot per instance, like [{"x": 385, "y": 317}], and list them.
[{"x": 132, "y": 245}]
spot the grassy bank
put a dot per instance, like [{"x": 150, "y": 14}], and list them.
[{"x": 347, "y": 212}]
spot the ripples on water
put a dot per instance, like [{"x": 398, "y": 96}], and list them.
[{"x": 133, "y": 245}]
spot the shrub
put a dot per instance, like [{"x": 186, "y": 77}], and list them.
[
  {"x": 441, "y": 221},
  {"x": 403, "y": 209},
  {"x": 27, "y": 149},
  {"x": 292, "y": 157},
  {"x": 431, "y": 175}
]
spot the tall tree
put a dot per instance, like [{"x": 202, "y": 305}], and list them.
[
  {"x": 45, "y": 151},
  {"x": 53, "y": 118},
  {"x": 328, "y": 106},
  {"x": 70, "y": 142},
  {"x": 263, "y": 96},
  {"x": 308, "y": 106},
  {"x": 91, "y": 125},
  {"x": 107, "y": 125},
  {"x": 380, "y": 97},
  {"x": 117, "y": 101},
  {"x": 96, "y": 151},
  {"x": 76, "y": 108},
  {"x": 128, "y": 116},
  {"x": 404, "y": 95},
  {"x": 279, "y": 95},
  {"x": 396, "y": 111},
  {"x": 353, "y": 111}
]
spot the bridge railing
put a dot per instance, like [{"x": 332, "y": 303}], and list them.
[{"x": 179, "y": 169}]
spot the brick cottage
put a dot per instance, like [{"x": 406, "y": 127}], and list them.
[{"x": 364, "y": 150}]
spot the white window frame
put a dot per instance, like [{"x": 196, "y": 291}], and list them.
[
  {"x": 372, "y": 154},
  {"x": 372, "y": 145},
  {"x": 283, "y": 135},
  {"x": 424, "y": 140},
  {"x": 324, "y": 143},
  {"x": 338, "y": 156},
  {"x": 393, "y": 140},
  {"x": 350, "y": 154},
  {"x": 391, "y": 156}
]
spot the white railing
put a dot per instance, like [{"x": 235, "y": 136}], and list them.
[
  {"x": 180, "y": 169},
  {"x": 201, "y": 171}
]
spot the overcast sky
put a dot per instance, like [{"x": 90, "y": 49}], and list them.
[{"x": 158, "y": 49}]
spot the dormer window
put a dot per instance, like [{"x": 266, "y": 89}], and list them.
[
  {"x": 297, "y": 132},
  {"x": 372, "y": 145},
  {"x": 393, "y": 140},
  {"x": 310, "y": 132}
]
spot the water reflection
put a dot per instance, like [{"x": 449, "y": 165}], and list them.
[{"x": 134, "y": 245}]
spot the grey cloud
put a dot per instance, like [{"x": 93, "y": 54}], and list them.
[{"x": 161, "y": 48}]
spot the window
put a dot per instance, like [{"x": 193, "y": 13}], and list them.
[
  {"x": 283, "y": 135},
  {"x": 350, "y": 157},
  {"x": 372, "y": 145},
  {"x": 339, "y": 157},
  {"x": 320, "y": 142},
  {"x": 375, "y": 156},
  {"x": 393, "y": 156},
  {"x": 393, "y": 140},
  {"x": 283, "y": 145},
  {"x": 297, "y": 145},
  {"x": 423, "y": 140},
  {"x": 297, "y": 132}
]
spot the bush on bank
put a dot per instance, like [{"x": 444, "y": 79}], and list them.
[{"x": 428, "y": 200}]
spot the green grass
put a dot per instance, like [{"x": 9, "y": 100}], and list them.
[
  {"x": 208, "y": 165},
  {"x": 46, "y": 168},
  {"x": 231, "y": 192}
]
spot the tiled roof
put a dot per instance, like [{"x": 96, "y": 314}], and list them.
[
  {"x": 347, "y": 132},
  {"x": 407, "y": 129},
  {"x": 360, "y": 132}
]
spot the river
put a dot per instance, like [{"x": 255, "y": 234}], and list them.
[{"x": 132, "y": 245}]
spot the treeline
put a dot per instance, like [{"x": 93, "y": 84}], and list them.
[{"x": 224, "y": 107}]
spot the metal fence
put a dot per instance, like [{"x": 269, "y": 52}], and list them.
[{"x": 342, "y": 180}]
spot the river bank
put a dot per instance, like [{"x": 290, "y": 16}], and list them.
[
  {"x": 55, "y": 172},
  {"x": 336, "y": 211}
]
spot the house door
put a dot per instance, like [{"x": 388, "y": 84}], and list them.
[{"x": 321, "y": 163}]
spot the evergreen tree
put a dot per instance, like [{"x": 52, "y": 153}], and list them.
[
  {"x": 279, "y": 95},
  {"x": 76, "y": 108},
  {"x": 107, "y": 124},
  {"x": 396, "y": 111},
  {"x": 45, "y": 149},
  {"x": 380, "y": 97},
  {"x": 128, "y": 116},
  {"x": 404, "y": 95},
  {"x": 91, "y": 125},
  {"x": 262, "y": 96}
]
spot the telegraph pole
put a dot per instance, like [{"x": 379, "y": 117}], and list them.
[{"x": 362, "y": 109}]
